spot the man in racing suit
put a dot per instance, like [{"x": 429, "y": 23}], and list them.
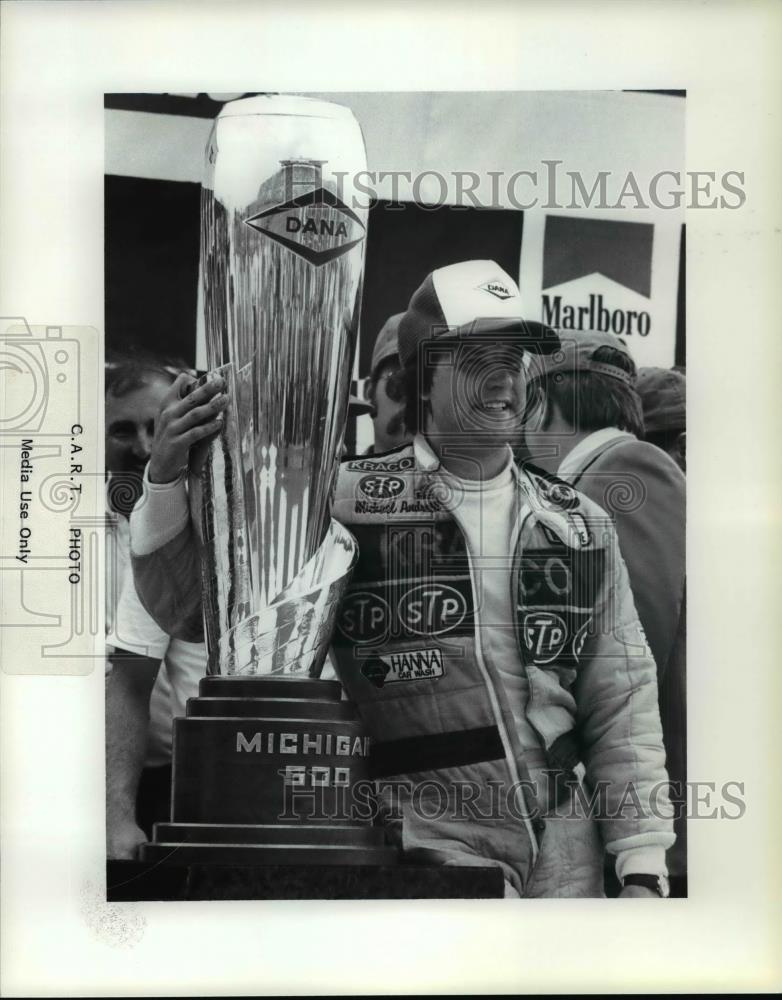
[{"x": 488, "y": 636}]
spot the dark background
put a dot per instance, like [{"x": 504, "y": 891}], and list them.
[
  {"x": 152, "y": 238},
  {"x": 152, "y": 250},
  {"x": 151, "y": 255}
]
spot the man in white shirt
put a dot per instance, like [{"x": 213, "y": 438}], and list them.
[{"x": 141, "y": 699}]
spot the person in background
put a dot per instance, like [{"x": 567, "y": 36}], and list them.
[
  {"x": 138, "y": 742},
  {"x": 357, "y": 407},
  {"x": 591, "y": 437},
  {"x": 663, "y": 393},
  {"x": 134, "y": 388},
  {"x": 384, "y": 390}
]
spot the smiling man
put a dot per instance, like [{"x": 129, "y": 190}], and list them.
[
  {"x": 488, "y": 635},
  {"x": 134, "y": 393}
]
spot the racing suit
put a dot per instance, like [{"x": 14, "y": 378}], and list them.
[{"x": 451, "y": 769}]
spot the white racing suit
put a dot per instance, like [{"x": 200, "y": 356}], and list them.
[{"x": 451, "y": 770}]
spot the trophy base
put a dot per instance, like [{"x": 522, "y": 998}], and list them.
[
  {"x": 278, "y": 844},
  {"x": 131, "y": 881},
  {"x": 269, "y": 770}
]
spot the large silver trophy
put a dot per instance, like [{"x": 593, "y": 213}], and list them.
[
  {"x": 282, "y": 256},
  {"x": 282, "y": 259}
]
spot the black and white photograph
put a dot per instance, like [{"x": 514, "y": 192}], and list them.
[
  {"x": 388, "y": 497},
  {"x": 401, "y": 610}
]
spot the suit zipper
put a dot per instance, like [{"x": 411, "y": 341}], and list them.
[{"x": 495, "y": 705}]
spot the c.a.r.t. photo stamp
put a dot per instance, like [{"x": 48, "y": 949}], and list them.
[{"x": 52, "y": 527}]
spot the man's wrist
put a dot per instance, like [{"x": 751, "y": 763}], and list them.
[
  {"x": 161, "y": 514},
  {"x": 159, "y": 477},
  {"x": 648, "y": 859},
  {"x": 657, "y": 884}
]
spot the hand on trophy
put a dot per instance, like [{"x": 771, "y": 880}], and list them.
[{"x": 189, "y": 417}]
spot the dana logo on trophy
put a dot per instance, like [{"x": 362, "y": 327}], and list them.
[{"x": 316, "y": 225}]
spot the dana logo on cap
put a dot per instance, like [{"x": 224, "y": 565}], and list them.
[
  {"x": 455, "y": 296},
  {"x": 497, "y": 288}
]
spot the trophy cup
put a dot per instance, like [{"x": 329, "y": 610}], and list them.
[{"x": 268, "y": 757}]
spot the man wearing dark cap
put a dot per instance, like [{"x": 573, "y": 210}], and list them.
[
  {"x": 663, "y": 398},
  {"x": 488, "y": 635},
  {"x": 385, "y": 390},
  {"x": 591, "y": 438}
]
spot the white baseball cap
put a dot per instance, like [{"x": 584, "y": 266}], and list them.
[{"x": 465, "y": 300}]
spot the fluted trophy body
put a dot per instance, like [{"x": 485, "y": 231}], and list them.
[{"x": 282, "y": 257}]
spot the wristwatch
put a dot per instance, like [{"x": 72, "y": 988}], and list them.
[{"x": 657, "y": 883}]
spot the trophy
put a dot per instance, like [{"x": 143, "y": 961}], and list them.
[{"x": 268, "y": 758}]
